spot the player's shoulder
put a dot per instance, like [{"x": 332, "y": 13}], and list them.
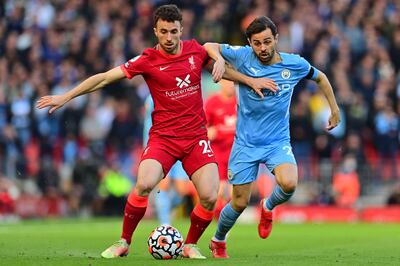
[
  {"x": 193, "y": 43},
  {"x": 292, "y": 60},
  {"x": 239, "y": 48}
]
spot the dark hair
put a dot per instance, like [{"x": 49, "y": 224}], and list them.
[
  {"x": 169, "y": 13},
  {"x": 260, "y": 24}
]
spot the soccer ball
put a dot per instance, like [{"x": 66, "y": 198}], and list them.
[{"x": 165, "y": 242}]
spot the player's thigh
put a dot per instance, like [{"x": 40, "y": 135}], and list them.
[
  {"x": 158, "y": 149},
  {"x": 225, "y": 190},
  {"x": 206, "y": 181},
  {"x": 198, "y": 154},
  {"x": 149, "y": 175},
  {"x": 243, "y": 165},
  {"x": 241, "y": 196},
  {"x": 281, "y": 162},
  {"x": 286, "y": 175}
]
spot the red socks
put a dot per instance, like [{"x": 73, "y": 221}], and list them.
[
  {"x": 135, "y": 209},
  {"x": 200, "y": 218}
]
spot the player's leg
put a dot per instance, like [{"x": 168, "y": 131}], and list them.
[
  {"x": 231, "y": 212},
  {"x": 163, "y": 202},
  {"x": 243, "y": 168},
  {"x": 286, "y": 179},
  {"x": 171, "y": 193},
  {"x": 149, "y": 175},
  {"x": 206, "y": 182},
  {"x": 283, "y": 164},
  {"x": 224, "y": 187},
  {"x": 180, "y": 182}
]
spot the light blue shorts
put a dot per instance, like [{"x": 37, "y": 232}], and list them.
[
  {"x": 244, "y": 161},
  {"x": 177, "y": 172}
]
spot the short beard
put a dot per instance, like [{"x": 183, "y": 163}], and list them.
[{"x": 266, "y": 62}]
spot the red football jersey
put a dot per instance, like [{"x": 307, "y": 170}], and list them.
[
  {"x": 174, "y": 83},
  {"x": 222, "y": 114}
]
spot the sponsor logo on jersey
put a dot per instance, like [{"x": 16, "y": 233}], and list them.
[
  {"x": 183, "y": 82},
  {"x": 285, "y": 73}
]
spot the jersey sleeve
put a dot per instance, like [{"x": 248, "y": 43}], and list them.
[
  {"x": 235, "y": 55},
  {"x": 134, "y": 66},
  {"x": 306, "y": 70}
]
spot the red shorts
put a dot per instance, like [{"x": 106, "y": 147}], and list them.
[
  {"x": 193, "y": 153},
  {"x": 222, "y": 160}
]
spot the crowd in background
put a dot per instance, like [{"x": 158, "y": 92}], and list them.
[{"x": 85, "y": 155}]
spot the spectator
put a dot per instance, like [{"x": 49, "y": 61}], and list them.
[{"x": 345, "y": 184}]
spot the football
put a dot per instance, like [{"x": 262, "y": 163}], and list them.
[{"x": 165, "y": 242}]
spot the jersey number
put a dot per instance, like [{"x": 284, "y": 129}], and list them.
[
  {"x": 289, "y": 150},
  {"x": 206, "y": 146}
]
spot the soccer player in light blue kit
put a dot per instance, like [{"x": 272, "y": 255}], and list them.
[
  {"x": 167, "y": 198},
  {"x": 262, "y": 130}
]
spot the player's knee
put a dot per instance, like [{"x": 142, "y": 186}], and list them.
[
  {"x": 208, "y": 201},
  {"x": 143, "y": 189},
  {"x": 239, "y": 204},
  {"x": 289, "y": 186}
]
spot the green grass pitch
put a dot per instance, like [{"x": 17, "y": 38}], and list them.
[{"x": 80, "y": 242}]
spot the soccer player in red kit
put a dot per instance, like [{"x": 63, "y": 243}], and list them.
[
  {"x": 172, "y": 70},
  {"x": 221, "y": 114}
]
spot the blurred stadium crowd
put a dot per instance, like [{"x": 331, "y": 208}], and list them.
[{"x": 84, "y": 156}]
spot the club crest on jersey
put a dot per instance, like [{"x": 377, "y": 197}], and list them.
[
  {"x": 183, "y": 82},
  {"x": 192, "y": 63},
  {"x": 230, "y": 174},
  {"x": 285, "y": 74}
]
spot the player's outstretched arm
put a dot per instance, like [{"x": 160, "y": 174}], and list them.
[
  {"x": 91, "y": 84},
  {"x": 214, "y": 51},
  {"x": 223, "y": 70},
  {"x": 326, "y": 88}
]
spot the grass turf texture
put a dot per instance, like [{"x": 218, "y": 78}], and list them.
[{"x": 80, "y": 242}]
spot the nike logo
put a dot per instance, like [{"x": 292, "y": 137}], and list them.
[
  {"x": 210, "y": 155},
  {"x": 163, "y": 68}
]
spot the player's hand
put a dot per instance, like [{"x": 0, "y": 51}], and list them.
[
  {"x": 218, "y": 69},
  {"x": 334, "y": 120},
  {"x": 257, "y": 84},
  {"x": 52, "y": 101}
]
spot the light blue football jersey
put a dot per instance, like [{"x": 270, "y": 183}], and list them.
[{"x": 264, "y": 121}]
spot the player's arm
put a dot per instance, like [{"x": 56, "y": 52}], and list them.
[
  {"x": 223, "y": 70},
  {"x": 325, "y": 86},
  {"x": 91, "y": 84}
]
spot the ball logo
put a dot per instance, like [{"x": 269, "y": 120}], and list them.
[{"x": 285, "y": 74}]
